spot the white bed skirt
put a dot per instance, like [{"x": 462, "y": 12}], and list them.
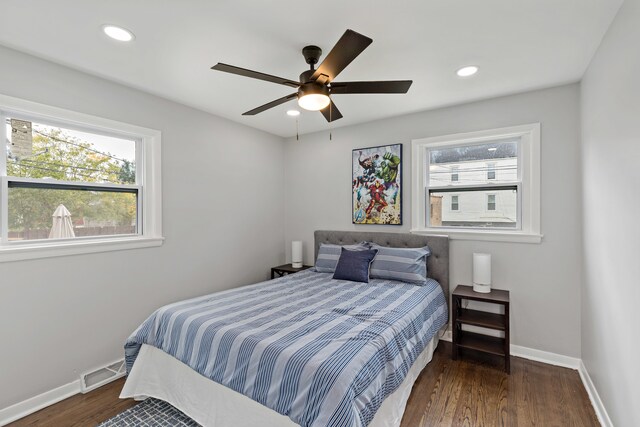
[{"x": 157, "y": 374}]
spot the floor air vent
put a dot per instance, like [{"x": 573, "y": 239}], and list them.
[{"x": 101, "y": 376}]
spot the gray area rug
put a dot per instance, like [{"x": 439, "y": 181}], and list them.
[{"x": 151, "y": 413}]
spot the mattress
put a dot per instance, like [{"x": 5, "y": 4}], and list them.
[{"x": 319, "y": 351}]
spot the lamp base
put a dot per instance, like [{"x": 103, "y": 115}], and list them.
[
  {"x": 296, "y": 264},
  {"x": 483, "y": 289}
]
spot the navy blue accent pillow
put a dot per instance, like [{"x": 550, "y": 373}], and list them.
[{"x": 354, "y": 265}]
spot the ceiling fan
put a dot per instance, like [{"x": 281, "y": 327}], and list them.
[{"x": 316, "y": 85}]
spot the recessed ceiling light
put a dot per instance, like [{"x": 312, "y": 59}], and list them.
[
  {"x": 492, "y": 149},
  {"x": 467, "y": 71},
  {"x": 118, "y": 33},
  {"x": 293, "y": 113}
]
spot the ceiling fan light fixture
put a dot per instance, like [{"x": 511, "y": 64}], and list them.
[
  {"x": 313, "y": 96},
  {"x": 314, "y": 101},
  {"x": 312, "y": 88},
  {"x": 293, "y": 113}
]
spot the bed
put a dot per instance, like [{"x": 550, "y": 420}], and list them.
[{"x": 302, "y": 350}]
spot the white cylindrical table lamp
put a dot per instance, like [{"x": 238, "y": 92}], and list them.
[
  {"x": 482, "y": 273},
  {"x": 296, "y": 254}
]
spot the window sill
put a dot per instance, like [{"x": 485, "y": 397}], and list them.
[
  {"x": 479, "y": 235},
  {"x": 49, "y": 250}
]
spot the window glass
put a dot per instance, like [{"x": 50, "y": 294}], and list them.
[
  {"x": 481, "y": 210},
  {"x": 41, "y": 151},
  {"x": 66, "y": 183},
  {"x": 471, "y": 166},
  {"x": 54, "y": 213},
  {"x": 485, "y": 177}
]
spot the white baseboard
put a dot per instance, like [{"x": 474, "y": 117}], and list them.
[
  {"x": 545, "y": 357},
  {"x": 596, "y": 402},
  {"x": 533, "y": 354},
  {"x": 29, "y": 406}
]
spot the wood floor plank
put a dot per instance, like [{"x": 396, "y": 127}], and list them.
[
  {"x": 575, "y": 393},
  {"x": 466, "y": 392},
  {"x": 81, "y": 410},
  {"x": 445, "y": 400}
]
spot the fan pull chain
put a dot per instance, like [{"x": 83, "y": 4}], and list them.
[
  {"x": 330, "y": 114},
  {"x": 297, "y": 131}
]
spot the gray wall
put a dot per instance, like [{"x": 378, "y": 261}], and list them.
[
  {"x": 544, "y": 279},
  {"x": 61, "y": 316},
  {"x": 611, "y": 182}
]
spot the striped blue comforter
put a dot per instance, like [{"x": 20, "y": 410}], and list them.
[{"x": 323, "y": 352}]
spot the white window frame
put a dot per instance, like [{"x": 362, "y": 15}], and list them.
[
  {"x": 528, "y": 192},
  {"x": 148, "y": 183}
]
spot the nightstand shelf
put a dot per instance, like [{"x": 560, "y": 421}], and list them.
[
  {"x": 481, "y": 318},
  {"x": 480, "y": 342},
  {"x": 476, "y": 341}
]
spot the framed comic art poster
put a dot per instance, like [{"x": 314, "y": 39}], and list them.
[{"x": 377, "y": 185}]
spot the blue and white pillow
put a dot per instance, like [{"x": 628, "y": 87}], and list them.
[
  {"x": 329, "y": 254},
  {"x": 402, "y": 264}
]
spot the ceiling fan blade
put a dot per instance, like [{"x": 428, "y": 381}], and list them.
[
  {"x": 389, "y": 86},
  {"x": 350, "y": 45},
  {"x": 254, "y": 74},
  {"x": 271, "y": 104},
  {"x": 331, "y": 112}
]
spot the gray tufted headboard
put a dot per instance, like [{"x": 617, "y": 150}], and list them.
[{"x": 437, "y": 262}]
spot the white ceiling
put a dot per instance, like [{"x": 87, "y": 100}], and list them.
[{"x": 518, "y": 44}]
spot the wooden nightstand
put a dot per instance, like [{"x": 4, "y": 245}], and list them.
[
  {"x": 285, "y": 269},
  {"x": 477, "y": 341}
]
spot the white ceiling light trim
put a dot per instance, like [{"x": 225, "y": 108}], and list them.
[
  {"x": 467, "y": 71},
  {"x": 118, "y": 33}
]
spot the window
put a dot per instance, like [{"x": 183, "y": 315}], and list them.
[
  {"x": 75, "y": 182},
  {"x": 454, "y": 173},
  {"x": 491, "y": 168},
  {"x": 491, "y": 202},
  {"x": 454, "y": 203},
  {"x": 497, "y": 179},
  {"x": 477, "y": 179}
]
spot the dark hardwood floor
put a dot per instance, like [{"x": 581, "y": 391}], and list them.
[
  {"x": 477, "y": 392},
  {"x": 82, "y": 409},
  {"x": 464, "y": 392}
]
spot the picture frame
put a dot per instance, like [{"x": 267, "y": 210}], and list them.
[{"x": 376, "y": 186}]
